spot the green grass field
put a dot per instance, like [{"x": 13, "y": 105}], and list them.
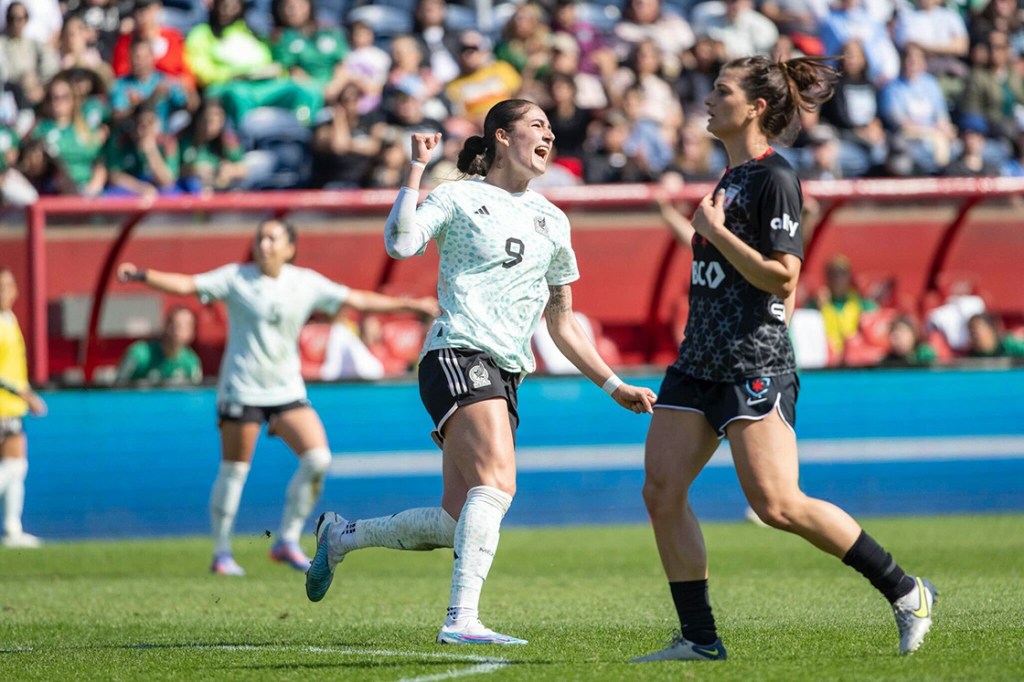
[{"x": 588, "y": 599}]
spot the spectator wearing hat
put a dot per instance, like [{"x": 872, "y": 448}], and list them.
[
  {"x": 408, "y": 67},
  {"x": 407, "y": 116},
  {"x": 840, "y": 304},
  {"x": 483, "y": 81},
  {"x": 972, "y": 162},
  {"x": 168, "y": 45}
]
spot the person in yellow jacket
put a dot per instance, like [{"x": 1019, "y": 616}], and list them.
[{"x": 16, "y": 399}]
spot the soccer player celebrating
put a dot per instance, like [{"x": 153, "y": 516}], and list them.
[
  {"x": 735, "y": 375},
  {"x": 506, "y": 257},
  {"x": 16, "y": 399},
  {"x": 260, "y": 381}
]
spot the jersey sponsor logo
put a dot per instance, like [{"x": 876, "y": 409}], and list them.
[
  {"x": 482, "y": 211},
  {"x": 778, "y": 311},
  {"x": 786, "y": 224},
  {"x": 707, "y": 274},
  {"x": 541, "y": 225},
  {"x": 478, "y": 376},
  {"x": 757, "y": 389},
  {"x": 730, "y": 193}
]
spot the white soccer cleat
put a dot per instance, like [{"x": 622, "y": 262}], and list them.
[
  {"x": 21, "y": 541},
  {"x": 682, "y": 649},
  {"x": 474, "y": 632},
  {"x": 913, "y": 613}
]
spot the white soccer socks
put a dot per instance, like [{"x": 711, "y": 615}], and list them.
[
  {"x": 420, "y": 529},
  {"x": 303, "y": 491},
  {"x": 12, "y": 488},
  {"x": 224, "y": 500},
  {"x": 476, "y": 541}
]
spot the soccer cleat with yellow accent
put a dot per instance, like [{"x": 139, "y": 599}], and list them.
[
  {"x": 682, "y": 649},
  {"x": 913, "y": 613}
]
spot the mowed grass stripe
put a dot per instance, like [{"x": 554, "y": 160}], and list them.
[{"x": 587, "y": 598}]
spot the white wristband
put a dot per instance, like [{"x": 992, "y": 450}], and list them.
[
  {"x": 611, "y": 384},
  {"x": 417, "y": 162}
]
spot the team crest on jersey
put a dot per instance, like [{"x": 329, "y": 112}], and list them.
[
  {"x": 730, "y": 193},
  {"x": 540, "y": 223},
  {"x": 478, "y": 375},
  {"x": 758, "y": 388}
]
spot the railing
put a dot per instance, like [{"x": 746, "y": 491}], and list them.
[{"x": 967, "y": 192}]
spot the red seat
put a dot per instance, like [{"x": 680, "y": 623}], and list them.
[{"x": 313, "y": 348}]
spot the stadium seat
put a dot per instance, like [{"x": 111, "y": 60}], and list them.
[
  {"x": 601, "y": 16},
  {"x": 313, "y": 348},
  {"x": 184, "y": 15},
  {"x": 401, "y": 341},
  {"x": 386, "y": 22},
  {"x": 874, "y": 325},
  {"x": 858, "y": 352},
  {"x": 279, "y": 132}
]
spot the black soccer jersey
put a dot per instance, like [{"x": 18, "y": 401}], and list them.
[{"x": 735, "y": 330}]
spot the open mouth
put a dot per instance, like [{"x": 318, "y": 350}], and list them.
[{"x": 542, "y": 152}]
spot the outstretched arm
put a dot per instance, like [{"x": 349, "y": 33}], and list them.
[
  {"x": 167, "y": 282},
  {"x": 372, "y": 302},
  {"x": 575, "y": 345},
  {"x": 35, "y": 404}
]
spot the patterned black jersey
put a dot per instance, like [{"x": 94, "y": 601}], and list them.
[{"x": 736, "y": 331}]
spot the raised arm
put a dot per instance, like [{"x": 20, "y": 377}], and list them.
[
  {"x": 167, "y": 282},
  {"x": 576, "y": 346},
  {"x": 403, "y": 238}
]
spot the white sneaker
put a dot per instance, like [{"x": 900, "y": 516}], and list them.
[
  {"x": 474, "y": 632},
  {"x": 913, "y": 613},
  {"x": 682, "y": 649},
  {"x": 21, "y": 541}
]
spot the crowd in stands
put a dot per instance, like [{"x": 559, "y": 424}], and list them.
[{"x": 147, "y": 97}]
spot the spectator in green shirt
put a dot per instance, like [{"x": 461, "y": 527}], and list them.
[
  {"x": 310, "y": 54},
  {"x": 233, "y": 64},
  {"x": 905, "y": 346},
  {"x": 142, "y": 160},
  {"x": 70, "y": 141},
  {"x": 211, "y": 155},
  {"x": 167, "y": 360},
  {"x": 987, "y": 342}
]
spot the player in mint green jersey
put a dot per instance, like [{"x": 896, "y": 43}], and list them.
[
  {"x": 268, "y": 301},
  {"x": 506, "y": 258}
]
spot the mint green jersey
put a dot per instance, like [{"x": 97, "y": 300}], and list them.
[{"x": 499, "y": 254}]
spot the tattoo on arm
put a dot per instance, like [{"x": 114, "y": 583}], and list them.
[{"x": 560, "y": 300}]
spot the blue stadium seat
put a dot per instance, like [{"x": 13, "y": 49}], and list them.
[
  {"x": 601, "y": 16},
  {"x": 184, "y": 15},
  {"x": 386, "y": 22},
  {"x": 278, "y": 131},
  {"x": 331, "y": 13}
]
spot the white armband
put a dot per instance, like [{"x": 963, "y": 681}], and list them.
[{"x": 611, "y": 384}]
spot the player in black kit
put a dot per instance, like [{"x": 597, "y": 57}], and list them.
[{"x": 735, "y": 376}]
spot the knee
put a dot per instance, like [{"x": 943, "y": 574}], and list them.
[
  {"x": 663, "y": 496},
  {"x": 317, "y": 460},
  {"x": 779, "y": 511}
]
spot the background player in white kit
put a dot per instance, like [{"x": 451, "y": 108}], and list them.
[
  {"x": 268, "y": 302},
  {"x": 506, "y": 258}
]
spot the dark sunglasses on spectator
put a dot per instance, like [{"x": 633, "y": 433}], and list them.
[{"x": 469, "y": 48}]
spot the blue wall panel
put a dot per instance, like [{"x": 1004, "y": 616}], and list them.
[{"x": 132, "y": 463}]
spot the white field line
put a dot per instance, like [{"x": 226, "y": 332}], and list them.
[{"x": 628, "y": 457}]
